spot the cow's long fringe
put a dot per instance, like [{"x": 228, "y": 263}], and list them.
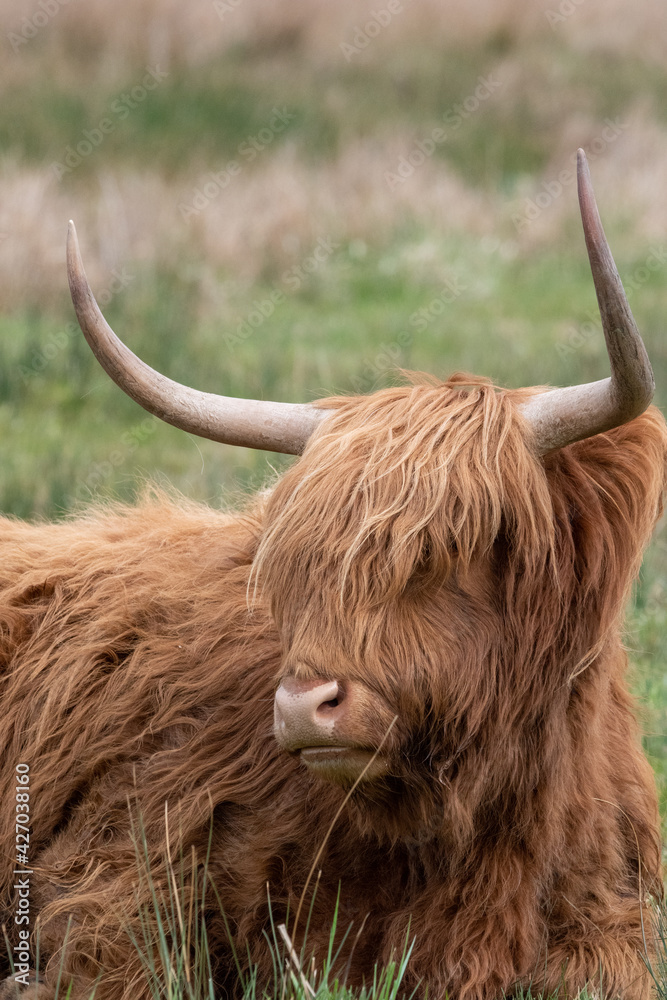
[{"x": 420, "y": 547}]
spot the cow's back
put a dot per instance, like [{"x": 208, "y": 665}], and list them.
[{"x": 120, "y": 633}]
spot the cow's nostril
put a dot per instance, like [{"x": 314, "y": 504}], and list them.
[
  {"x": 333, "y": 703},
  {"x": 307, "y": 712}
]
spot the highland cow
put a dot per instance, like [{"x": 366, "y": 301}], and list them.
[{"x": 400, "y": 667}]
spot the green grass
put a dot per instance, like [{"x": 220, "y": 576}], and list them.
[
  {"x": 170, "y": 938},
  {"x": 202, "y": 114}
]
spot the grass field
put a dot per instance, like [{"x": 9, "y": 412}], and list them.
[{"x": 129, "y": 118}]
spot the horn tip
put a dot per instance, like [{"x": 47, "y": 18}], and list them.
[
  {"x": 582, "y": 164},
  {"x": 73, "y": 252},
  {"x": 75, "y": 273}
]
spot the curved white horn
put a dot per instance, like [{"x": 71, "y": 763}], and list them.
[
  {"x": 562, "y": 416},
  {"x": 251, "y": 423}
]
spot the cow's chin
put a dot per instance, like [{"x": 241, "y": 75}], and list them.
[{"x": 343, "y": 765}]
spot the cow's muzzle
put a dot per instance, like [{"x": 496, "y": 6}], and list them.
[{"x": 325, "y": 722}]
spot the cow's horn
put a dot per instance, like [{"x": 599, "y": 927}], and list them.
[
  {"x": 562, "y": 416},
  {"x": 251, "y": 423}
]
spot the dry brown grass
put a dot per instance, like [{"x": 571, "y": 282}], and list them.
[
  {"x": 112, "y": 35},
  {"x": 629, "y": 179},
  {"x": 275, "y": 210},
  {"x": 271, "y": 216}
]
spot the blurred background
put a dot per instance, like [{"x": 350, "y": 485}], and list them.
[{"x": 291, "y": 198}]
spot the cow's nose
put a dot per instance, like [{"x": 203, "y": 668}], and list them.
[{"x": 306, "y": 713}]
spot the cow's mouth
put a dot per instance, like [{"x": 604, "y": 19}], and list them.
[{"x": 344, "y": 765}]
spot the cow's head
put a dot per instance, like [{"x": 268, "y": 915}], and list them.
[
  {"x": 416, "y": 529},
  {"x": 382, "y": 555}
]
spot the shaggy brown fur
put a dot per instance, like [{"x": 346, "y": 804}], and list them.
[{"x": 419, "y": 547}]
